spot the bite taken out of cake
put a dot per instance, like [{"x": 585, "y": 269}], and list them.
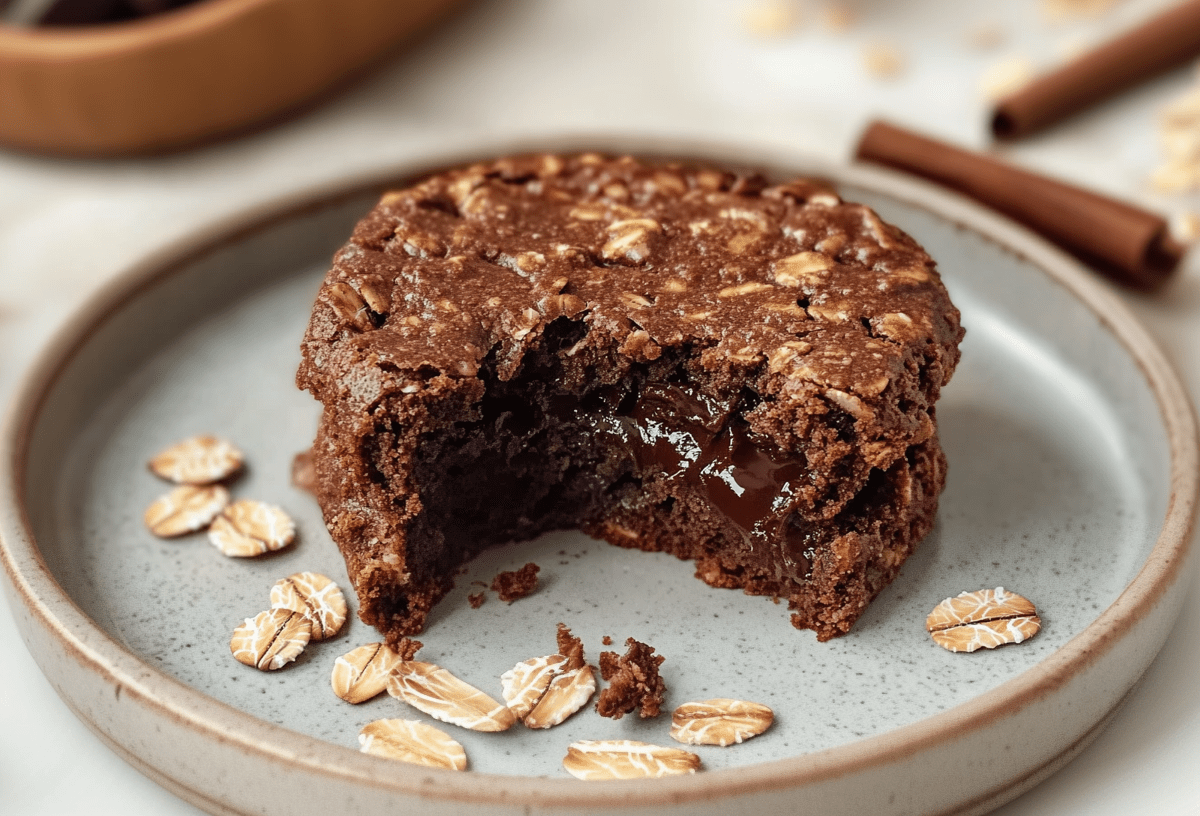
[{"x": 669, "y": 357}]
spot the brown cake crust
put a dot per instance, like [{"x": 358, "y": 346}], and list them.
[{"x": 670, "y": 358}]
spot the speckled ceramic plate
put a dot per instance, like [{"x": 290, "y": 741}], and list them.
[{"x": 1073, "y": 480}]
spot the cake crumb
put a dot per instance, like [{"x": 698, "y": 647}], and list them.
[
  {"x": 606, "y": 640},
  {"x": 407, "y": 648},
  {"x": 475, "y": 599},
  {"x": 571, "y": 648},
  {"x": 304, "y": 473},
  {"x": 518, "y": 584},
  {"x": 633, "y": 682}
]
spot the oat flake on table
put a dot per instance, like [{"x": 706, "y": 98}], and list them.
[
  {"x": 1059, "y": 10},
  {"x": 883, "y": 60},
  {"x": 1179, "y": 135},
  {"x": 1007, "y": 76},
  {"x": 772, "y": 18},
  {"x": 839, "y": 17}
]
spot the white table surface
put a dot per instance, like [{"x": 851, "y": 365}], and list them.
[{"x": 541, "y": 68}]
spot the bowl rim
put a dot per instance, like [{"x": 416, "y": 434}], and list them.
[
  {"x": 104, "y": 39},
  {"x": 75, "y": 633}
]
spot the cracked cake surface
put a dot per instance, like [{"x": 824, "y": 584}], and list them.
[{"x": 676, "y": 358}]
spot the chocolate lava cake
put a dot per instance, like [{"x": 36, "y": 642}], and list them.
[{"x": 668, "y": 357}]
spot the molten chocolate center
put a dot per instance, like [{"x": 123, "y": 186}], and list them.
[{"x": 690, "y": 437}]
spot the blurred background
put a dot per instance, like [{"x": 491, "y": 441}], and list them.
[{"x": 808, "y": 74}]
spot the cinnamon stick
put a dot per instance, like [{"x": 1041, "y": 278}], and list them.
[
  {"x": 1128, "y": 244},
  {"x": 1158, "y": 45}
]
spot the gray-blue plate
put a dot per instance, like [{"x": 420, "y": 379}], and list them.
[{"x": 1073, "y": 481}]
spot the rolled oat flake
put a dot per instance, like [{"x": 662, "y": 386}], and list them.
[
  {"x": 248, "y": 528},
  {"x": 197, "y": 460}
]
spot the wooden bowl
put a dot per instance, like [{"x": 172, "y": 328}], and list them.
[{"x": 193, "y": 74}]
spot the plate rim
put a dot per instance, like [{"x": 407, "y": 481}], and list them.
[{"x": 33, "y": 587}]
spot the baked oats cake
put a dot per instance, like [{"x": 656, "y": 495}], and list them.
[{"x": 669, "y": 357}]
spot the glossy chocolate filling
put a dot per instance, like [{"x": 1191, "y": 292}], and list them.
[
  {"x": 689, "y": 437},
  {"x": 749, "y": 482}
]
